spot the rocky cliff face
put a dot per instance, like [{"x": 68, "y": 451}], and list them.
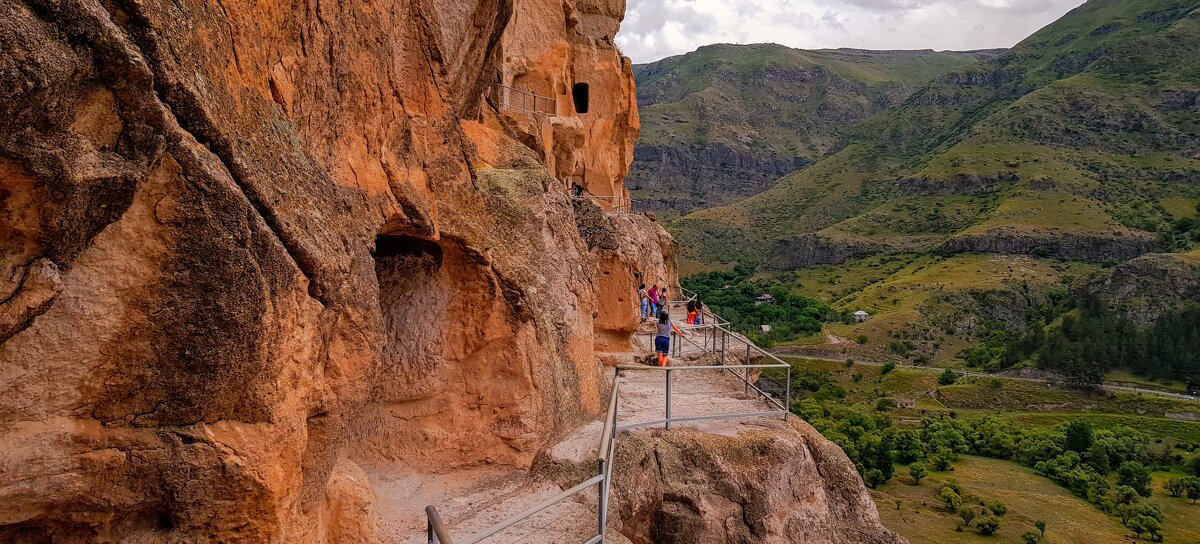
[
  {"x": 251, "y": 246},
  {"x": 246, "y": 243}
]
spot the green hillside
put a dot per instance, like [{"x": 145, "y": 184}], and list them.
[
  {"x": 726, "y": 121},
  {"x": 1082, "y": 142}
]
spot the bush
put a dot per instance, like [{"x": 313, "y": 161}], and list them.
[
  {"x": 1135, "y": 475},
  {"x": 941, "y": 463},
  {"x": 998, "y": 508},
  {"x": 861, "y": 339},
  {"x": 887, "y": 367},
  {"x": 951, "y": 500},
  {"x": 967, "y": 514},
  {"x": 917, "y": 472},
  {"x": 1031, "y": 537},
  {"x": 884, "y": 405},
  {"x": 947, "y": 378},
  {"x": 873, "y": 478},
  {"x": 987, "y": 525}
]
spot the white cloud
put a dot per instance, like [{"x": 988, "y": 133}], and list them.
[{"x": 654, "y": 29}]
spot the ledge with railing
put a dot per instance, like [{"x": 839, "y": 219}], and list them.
[
  {"x": 616, "y": 203},
  {"x": 772, "y": 384},
  {"x": 516, "y": 99}
]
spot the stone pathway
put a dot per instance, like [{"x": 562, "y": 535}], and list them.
[{"x": 471, "y": 500}]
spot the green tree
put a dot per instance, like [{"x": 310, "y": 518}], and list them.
[
  {"x": 987, "y": 525},
  {"x": 1031, "y": 537},
  {"x": 1135, "y": 475},
  {"x": 1079, "y": 436},
  {"x": 952, "y": 500},
  {"x": 948, "y": 377},
  {"x": 887, "y": 367},
  {"x": 1041, "y": 527},
  {"x": 941, "y": 462},
  {"x": 967, "y": 514},
  {"x": 1192, "y": 488},
  {"x": 917, "y": 471},
  {"x": 1176, "y": 487},
  {"x": 873, "y": 478},
  {"x": 1124, "y": 494}
]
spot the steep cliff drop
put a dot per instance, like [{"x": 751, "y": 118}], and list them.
[{"x": 270, "y": 270}]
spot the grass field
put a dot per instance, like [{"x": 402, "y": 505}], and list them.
[{"x": 1029, "y": 497}]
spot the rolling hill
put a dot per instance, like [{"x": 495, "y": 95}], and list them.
[
  {"x": 726, "y": 121},
  {"x": 1069, "y": 145}
]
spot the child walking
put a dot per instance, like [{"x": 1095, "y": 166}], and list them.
[{"x": 662, "y": 342}]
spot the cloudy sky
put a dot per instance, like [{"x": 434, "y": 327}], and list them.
[{"x": 654, "y": 29}]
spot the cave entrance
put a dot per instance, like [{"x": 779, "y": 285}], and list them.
[
  {"x": 580, "y": 93},
  {"x": 412, "y": 301}
]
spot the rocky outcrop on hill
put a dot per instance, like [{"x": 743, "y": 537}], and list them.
[
  {"x": 1150, "y": 285},
  {"x": 1086, "y": 246},
  {"x": 958, "y": 184},
  {"x": 687, "y": 178},
  {"x": 774, "y": 483},
  {"x": 815, "y": 248}
]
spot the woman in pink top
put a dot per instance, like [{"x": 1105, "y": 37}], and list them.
[{"x": 653, "y": 294}]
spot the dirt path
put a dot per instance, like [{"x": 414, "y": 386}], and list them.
[{"x": 471, "y": 500}]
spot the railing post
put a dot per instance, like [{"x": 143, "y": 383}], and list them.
[
  {"x": 787, "y": 403},
  {"x": 603, "y": 504},
  {"x": 724, "y": 344},
  {"x": 429, "y": 536},
  {"x": 668, "y": 373}
]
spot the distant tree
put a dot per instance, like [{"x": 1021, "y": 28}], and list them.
[
  {"x": 947, "y": 378},
  {"x": 967, "y": 514},
  {"x": 987, "y": 525},
  {"x": 1041, "y": 527},
  {"x": 917, "y": 472},
  {"x": 1193, "y": 464},
  {"x": 887, "y": 367},
  {"x": 1192, "y": 488},
  {"x": 1135, "y": 475},
  {"x": 1079, "y": 436},
  {"x": 1176, "y": 487},
  {"x": 1031, "y": 537},
  {"x": 1125, "y": 495},
  {"x": 950, "y": 499},
  {"x": 941, "y": 462},
  {"x": 884, "y": 404},
  {"x": 873, "y": 478},
  {"x": 862, "y": 339}
]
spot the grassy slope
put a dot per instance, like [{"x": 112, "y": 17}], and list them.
[
  {"x": 1029, "y": 497},
  {"x": 767, "y": 100},
  {"x": 1074, "y": 111}
]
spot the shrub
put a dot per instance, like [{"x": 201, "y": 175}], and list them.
[
  {"x": 1135, "y": 475},
  {"x": 987, "y": 525},
  {"x": 947, "y": 378},
  {"x": 998, "y": 508},
  {"x": 874, "y": 477},
  {"x": 887, "y": 367},
  {"x": 917, "y": 472},
  {"x": 950, "y": 499},
  {"x": 941, "y": 462},
  {"x": 861, "y": 339},
  {"x": 967, "y": 514},
  {"x": 884, "y": 405},
  {"x": 1031, "y": 537}
]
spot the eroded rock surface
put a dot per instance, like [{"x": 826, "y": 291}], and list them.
[{"x": 770, "y": 482}]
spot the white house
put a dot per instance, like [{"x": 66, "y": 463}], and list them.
[{"x": 861, "y": 316}]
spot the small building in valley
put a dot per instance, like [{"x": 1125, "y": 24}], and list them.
[
  {"x": 764, "y": 298},
  {"x": 861, "y": 316}
]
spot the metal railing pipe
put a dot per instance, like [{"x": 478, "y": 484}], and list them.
[{"x": 436, "y": 530}]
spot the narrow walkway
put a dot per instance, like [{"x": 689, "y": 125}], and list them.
[{"x": 472, "y": 500}]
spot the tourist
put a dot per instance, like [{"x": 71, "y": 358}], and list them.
[
  {"x": 691, "y": 312},
  {"x": 652, "y": 295},
  {"x": 699, "y": 312},
  {"x": 662, "y": 342},
  {"x": 644, "y": 300}
]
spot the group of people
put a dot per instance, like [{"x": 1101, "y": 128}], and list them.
[{"x": 653, "y": 302}]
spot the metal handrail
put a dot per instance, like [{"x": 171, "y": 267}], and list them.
[
  {"x": 437, "y": 532},
  {"x": 620, "y": 203},
  {"x": 526, "y": 101}
]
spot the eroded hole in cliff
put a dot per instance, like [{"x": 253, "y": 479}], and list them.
[
  {"x": 580, "y": 94},
  {"x": 412, "y": 301},
  {"x": 454, "y": 382}
]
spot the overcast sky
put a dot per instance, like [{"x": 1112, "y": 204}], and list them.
[{"x": 654, "y": 29}]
